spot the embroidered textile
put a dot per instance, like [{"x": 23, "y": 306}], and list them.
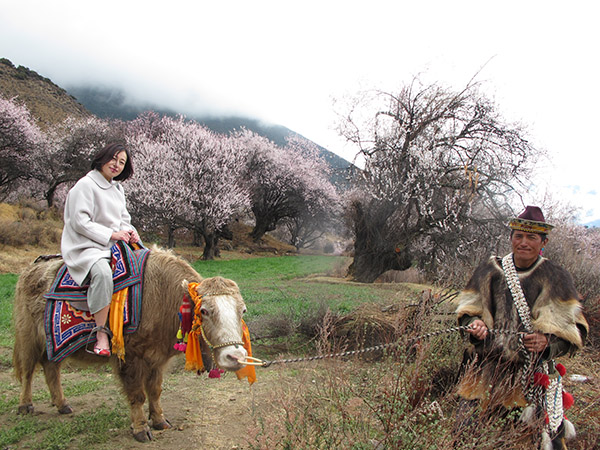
[{"x": 67, "y": 328}]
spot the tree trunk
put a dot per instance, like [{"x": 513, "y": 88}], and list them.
[
  {"x": 262, "y": 225},
  {"x": 49, "y": 196},
  {"x": 170, "y": 236},
  {"x": 374, "y": 254},
  {"x": 197, "y": 241},
  {"x": 211, "y": 249}
]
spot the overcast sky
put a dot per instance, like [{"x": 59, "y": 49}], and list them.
[{"x": 286, "y": 61}]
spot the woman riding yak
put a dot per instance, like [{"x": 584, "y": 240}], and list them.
[{"x": 95, "y": 218}]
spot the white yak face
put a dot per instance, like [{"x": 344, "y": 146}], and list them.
[{"x": 222, "y": 323}]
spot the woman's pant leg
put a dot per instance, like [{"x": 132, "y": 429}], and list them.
[{"x": 100, "y": 292}]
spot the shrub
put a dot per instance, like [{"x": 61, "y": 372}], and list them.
[{"x": 28, "y": 224}]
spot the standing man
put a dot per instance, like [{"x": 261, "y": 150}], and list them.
[{"x": 536, "y": 306}]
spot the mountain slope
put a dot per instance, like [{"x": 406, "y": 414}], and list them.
[{"x": 47, "y": 102}]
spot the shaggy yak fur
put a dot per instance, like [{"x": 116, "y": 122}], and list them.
[{"x": 147, "y": 350}]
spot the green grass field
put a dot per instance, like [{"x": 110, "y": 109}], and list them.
[{"x": 7, "y": 292}]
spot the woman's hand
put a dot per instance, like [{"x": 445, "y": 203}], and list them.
[
  {"x": 535, "y": 342},
  {"x": 123, "y": 235},
  {"x": 478, "y": 329},
  {"x": 134, "y": 237}
]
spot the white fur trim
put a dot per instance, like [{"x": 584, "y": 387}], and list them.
[
  {"x": 546, "y": 441},
  {"x": 570, "y": 432},
  {"x": 528, "y": 414}
]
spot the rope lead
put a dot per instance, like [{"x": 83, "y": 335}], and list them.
[{"x": 258, "y": 362}]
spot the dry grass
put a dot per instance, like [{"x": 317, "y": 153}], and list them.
[
  {"x": 405, "y": 397},
  {"x": 28, "y": 230}
]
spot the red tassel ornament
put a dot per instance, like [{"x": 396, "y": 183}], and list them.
[
  {"x": 215, "y": 373},
  {"x": 568, "y": 400},
  {"x": 541, "y": 379}
]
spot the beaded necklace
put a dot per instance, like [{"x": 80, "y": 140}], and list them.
[{"x": 553, "y": 398}]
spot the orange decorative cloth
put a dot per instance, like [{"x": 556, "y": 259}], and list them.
[
  {"x": 247, "y": 371},
  {"x": 115, "y": 319},
  {"x": 115, "y": 322}
]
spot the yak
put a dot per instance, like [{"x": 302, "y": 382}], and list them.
[{"x": 147, "y": 350}]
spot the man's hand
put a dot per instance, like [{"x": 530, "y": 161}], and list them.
[
  {"x": 478, "y": 329},
  {"x": 535, "y": 342}
]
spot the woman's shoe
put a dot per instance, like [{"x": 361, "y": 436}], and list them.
[
  {"x": 97, "y": 350},
  {"x": 101, "y": 351}
]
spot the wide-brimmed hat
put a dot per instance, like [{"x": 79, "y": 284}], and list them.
[{"x": 531, "y": 221}]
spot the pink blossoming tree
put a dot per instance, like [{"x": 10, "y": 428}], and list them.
[
  {"x": 186, "y": 176},
  {"x": 286, "y": 183},
  {"x": 20, "y": 140},
  {"x": 69, "y": 150}
]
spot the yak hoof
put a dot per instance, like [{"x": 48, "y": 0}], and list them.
[
  {"x": 65, "y": 409},
  {"x": 143, "y": 436},
  {"x": 25, "y": 409},
  {"x": 164, "y": 425}
]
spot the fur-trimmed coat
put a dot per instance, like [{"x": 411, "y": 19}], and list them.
[{"x": 555, "y": 311}]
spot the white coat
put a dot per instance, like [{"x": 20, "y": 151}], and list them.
[{"x": 94, "y": 209}]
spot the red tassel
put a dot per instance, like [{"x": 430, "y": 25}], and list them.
[
  {"x": 186, "y": 315},
  {"x": 568, "y": 400},
  {"x": 541, "y": 379},
  {"x": 561, "y": 369},
  {"x": 215, "y": 373},
  {"x": 180, "y": 346}
]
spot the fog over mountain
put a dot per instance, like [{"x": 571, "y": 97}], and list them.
[{"x": 115, "y": 103}]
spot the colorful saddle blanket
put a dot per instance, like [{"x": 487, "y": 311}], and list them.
[{"x": 67, "y": 328}]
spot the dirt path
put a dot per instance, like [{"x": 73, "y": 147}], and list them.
[{"x": 205, "y": 413}]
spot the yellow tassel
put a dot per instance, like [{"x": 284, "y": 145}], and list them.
[{"x": 115, "y": 322}]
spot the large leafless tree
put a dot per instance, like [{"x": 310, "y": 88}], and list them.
[{"x": 439, "y": 169}]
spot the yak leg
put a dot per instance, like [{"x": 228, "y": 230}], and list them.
[
  {"x": 52, "y": 375},
  {"x": 26, "y": 378},
  {"x": 25, "y": 361},
  {"x": 154, "y": 380},
  {"x": 133, "y": 386}
]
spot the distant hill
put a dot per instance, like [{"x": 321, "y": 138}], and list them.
[
  {"x": 112, "y": 103},
  {"x": 47, "y": 102},
  {"x": 593, "y": 224}
]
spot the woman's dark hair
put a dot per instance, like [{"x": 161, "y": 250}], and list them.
[{"x": 107, "y": 153}]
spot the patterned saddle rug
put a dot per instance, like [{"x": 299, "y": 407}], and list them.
[{"x": 67, "y": 328}]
